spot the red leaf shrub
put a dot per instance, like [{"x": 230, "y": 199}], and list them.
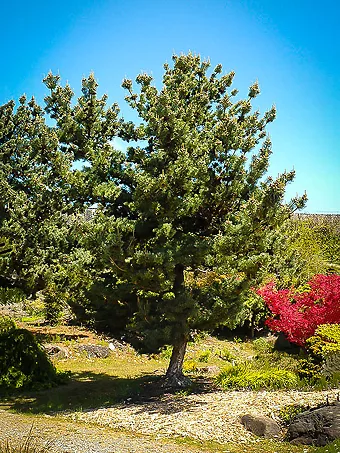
[{"x": 297, "y": 314}]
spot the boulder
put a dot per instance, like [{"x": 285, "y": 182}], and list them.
[
  {"x": 95, "y": 351},
  {"x": 261, "y": 426},
  {"x": 316, "y": 426},
  {"x": 56, "y": 352}
]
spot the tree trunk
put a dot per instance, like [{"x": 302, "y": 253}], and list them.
[{"x": 174, "y": 376}]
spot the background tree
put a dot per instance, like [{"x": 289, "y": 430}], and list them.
[
  {"x": 201, "y": 215},
  {"x": 32, "y": 200},
  {"x": 43, "y": 188}
]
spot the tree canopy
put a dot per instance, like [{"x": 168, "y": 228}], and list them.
[{"x": 185, "y": 218}]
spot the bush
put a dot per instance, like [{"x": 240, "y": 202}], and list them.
[
  {"x": 298, "y": 313},
  {"x": 23, "y": 363},
  {"x": 323, "y": 364},
  {"x": 244, "y": 377},
  {"x": 325, "y": 341},
  {"x": 262, "y": 346},
  {"x": 190, "y": 366},
  {"x": 6, "y": 324}
]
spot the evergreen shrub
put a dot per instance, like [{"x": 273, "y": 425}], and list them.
[{"x": 23, "y": 362}]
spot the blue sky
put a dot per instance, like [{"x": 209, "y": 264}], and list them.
[{"x": 291, "y": 47}]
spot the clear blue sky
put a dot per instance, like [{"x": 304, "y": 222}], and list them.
[{"x": 291, "y": 47}]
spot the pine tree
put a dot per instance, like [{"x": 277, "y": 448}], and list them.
[{"x": 201, "y": 215}]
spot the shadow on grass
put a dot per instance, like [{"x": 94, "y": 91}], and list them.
[
  {"x": 84, "y": 391},
  {"x": 88, "y": 391}
]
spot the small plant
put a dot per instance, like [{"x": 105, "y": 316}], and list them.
[
  {"x": 262, "y": 346},
  {"x": 204, "y": 356},
  {"x": 190, "y": 366},
  {"x": 226, "y": 355},
  {"x": 287, "y": 413},
  {"x": 244, "y": 377},
  {"x": 166, "y": 352}
]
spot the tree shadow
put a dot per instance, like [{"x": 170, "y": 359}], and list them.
[{"x": 88, "y": 391}]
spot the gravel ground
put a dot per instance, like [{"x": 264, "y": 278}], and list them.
[
  {"x": 148, "y": 426},
  {"x": 207, "y": 416},
  {"x": 69, "y": 437}
]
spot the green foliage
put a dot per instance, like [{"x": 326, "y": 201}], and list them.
[
  {"x": 5, "y": 248},
  {"x": 287, "y": 413},
  {"x": 325, "y": 341},
  {"x": 243, "y": 376},
  {"x": 10, "y": 296},
  {"x": 262, "y": 346},
  {"x": 204, "y": 356},
  {"x": 23, "y": 363},
  {"x": 6, "y": 324},
  {"x": 322, "y": 365},
  {"x": 226, "y": 355}
]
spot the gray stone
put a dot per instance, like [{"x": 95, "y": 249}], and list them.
[
  {"x": 57, "y": 352},
  {"x": 261, "y": 426},
  {"x": 95, "y": 351},
  {"x": 315, "y": 427}
]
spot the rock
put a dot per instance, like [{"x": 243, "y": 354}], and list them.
[
  {"x": 94, "y": 351},
  {"x": 315, "y": 427},
  {"x": 56, "y": 351},
  {"x": 212, "y": 369},
  {"x": 261, "y": 426}
]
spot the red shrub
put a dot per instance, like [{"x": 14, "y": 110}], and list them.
[{"x": 298, "y": 314}]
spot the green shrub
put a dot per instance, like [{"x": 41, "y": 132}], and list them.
[
  {"x": 262, "y": 346},
  {"x": 204, "y": 356},
  {"x": 287, "y": 413},
  {"x": 6, "y": 324},
  {"x": 245, "y": 377},
  {"x": 325, "y": 341},
  {"x": 23, "y": 363},
  {"x": 322, "y": 366}
]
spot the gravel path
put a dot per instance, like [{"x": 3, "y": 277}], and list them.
[
  {"x": 206, "y": 416},
  {"x": 59, "y": 436},
  {"x": 148, "y": 426}
]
